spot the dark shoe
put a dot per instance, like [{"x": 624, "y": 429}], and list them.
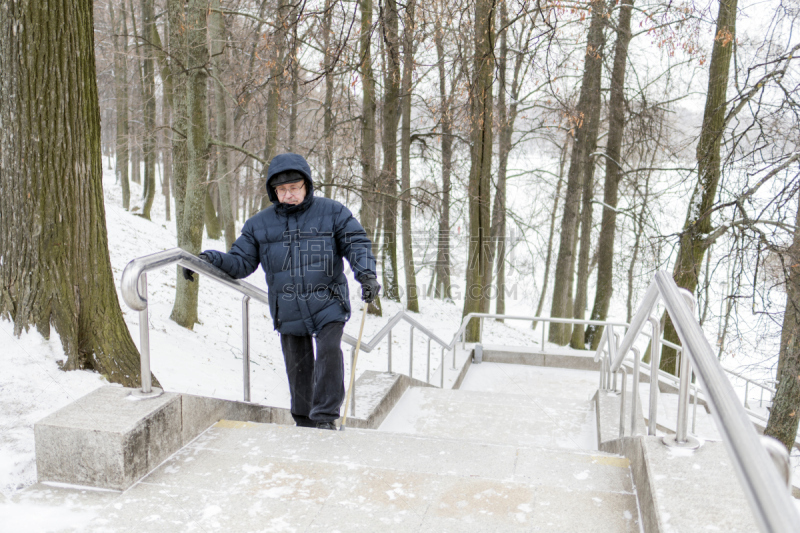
[{"x": 326, "y": 425}]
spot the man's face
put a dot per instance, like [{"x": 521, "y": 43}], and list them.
[{"x": 291, "y": 193}]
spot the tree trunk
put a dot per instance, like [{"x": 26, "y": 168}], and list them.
[
  {"x": 582, "y": 286},
  {"x": 556, "y": 198},
  {"x": 785, "y": 411},
  {"x": 222, "y": 174},
  {"x": 295, "y": 73},
  {"x": 166, "y": 151},
  {"x": 442, "y": 271},
  {"x": 149, "y": 107},
  {"x": 54, "y": 263},
  {"x": 328, "y": 118},
  {"x": 693, "y": 242},
  {"x": 391, "y": 107},
  {"x": 120, "y": 33},
  {"x": 177, "y": 77},
  {"x": 213, "y": 228},
  {"x": 190, "y": 231},
  {"x": 369, "y": 205},
  {"x": 136, "y": 154},
  {"x": 480, "y": 183},
  {"x": 167, "y": 105},
  {"x": 506, "y": 117},
  {"x": 277, "y": 62},
  {"x": 412, "y": 300},
  {"x": 584, "y": 137},
  {"x": 608, "y": 225}
]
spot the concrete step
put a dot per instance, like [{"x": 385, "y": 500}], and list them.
[
  {"x": 511, "y": 419},
  {"x": 242, "y": 476},
  {"x": 519, "y": 405},
  {"x": 532, "y": 381}
]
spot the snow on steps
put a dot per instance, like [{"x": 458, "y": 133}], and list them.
[{"x": 243, "y": 476}]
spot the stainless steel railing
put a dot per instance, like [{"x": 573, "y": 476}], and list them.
[
  {"x": 134, "y": 293},
  {"x": 771, "y": 503}
]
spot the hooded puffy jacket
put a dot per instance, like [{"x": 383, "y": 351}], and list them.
[{"x": 301, "y": 247}]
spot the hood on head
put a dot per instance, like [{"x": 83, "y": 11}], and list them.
[{"x": 282, "y": 163}]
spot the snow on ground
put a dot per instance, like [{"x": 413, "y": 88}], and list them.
[{"x": 31, "y": 387}]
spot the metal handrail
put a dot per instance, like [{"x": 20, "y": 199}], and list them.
[
  {"x": 772, "y": 505},
  {"x": 134, "y": 293}
]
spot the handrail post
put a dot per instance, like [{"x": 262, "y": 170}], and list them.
[
  {"x": 682, "y": 438},
  {"x": 411, "y": 354},
  {"x": 602, "y": 371},
  {"x": 147, "y": 390},
  {"x": 746, "y": 393},
  {"x": 655, "y": 361},
  {"x": 246, "y": 346},
  {"x": 428, "y": 373},
  {"x": 622, "y": 400},
  {"x": 353, "y": 392},
  {"x": 144, "y": 338},
  {"x": 441, "y": 380},
  {"x": 390, "y": 351},
  {"x": 612, "y": 356},
  {"x": 545, "y": 325},
  {"x": 635, "y": 389}
]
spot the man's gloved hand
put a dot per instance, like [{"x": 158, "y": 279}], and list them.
[
  {"x": 188, "y": 275},
  {"x": 369, "y": 288}
]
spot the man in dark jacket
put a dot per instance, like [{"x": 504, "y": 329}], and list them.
[{"x": 300, "y": 242}]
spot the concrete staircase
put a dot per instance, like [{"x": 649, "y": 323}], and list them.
[{"x": 514, "y": 449}]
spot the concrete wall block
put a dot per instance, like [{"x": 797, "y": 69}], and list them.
[{"x": 107, "y": 439}]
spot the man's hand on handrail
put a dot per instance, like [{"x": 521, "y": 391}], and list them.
[{"x": 188, "y": 275}]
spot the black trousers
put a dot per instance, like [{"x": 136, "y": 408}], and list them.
[{"x": 316, "y": 383}]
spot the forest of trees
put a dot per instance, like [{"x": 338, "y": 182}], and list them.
[{"x": 586, "y": 130}]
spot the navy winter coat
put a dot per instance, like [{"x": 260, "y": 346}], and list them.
[{"x": 300, "y": 247}]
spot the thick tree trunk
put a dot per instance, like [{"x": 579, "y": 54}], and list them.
[
  {"x": 277, "y": 62},
  {"x": 785, "y": 413},
  {"x": 584, "y": 129},
  {"x": 608, "y": 225},
  {"x": 391, "y": 108},
  {"x": 412, "y": 300},
  {"x": 480, "y": 183},
  {"x": 149, "y": 107},
  {"x": 120, "y": 32},
  {"x": 54, "y": 263},
  {"x": 442, "y": 272},
  {"x": 190, "y": 231},
  {"x": 693, "y": 242}
]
